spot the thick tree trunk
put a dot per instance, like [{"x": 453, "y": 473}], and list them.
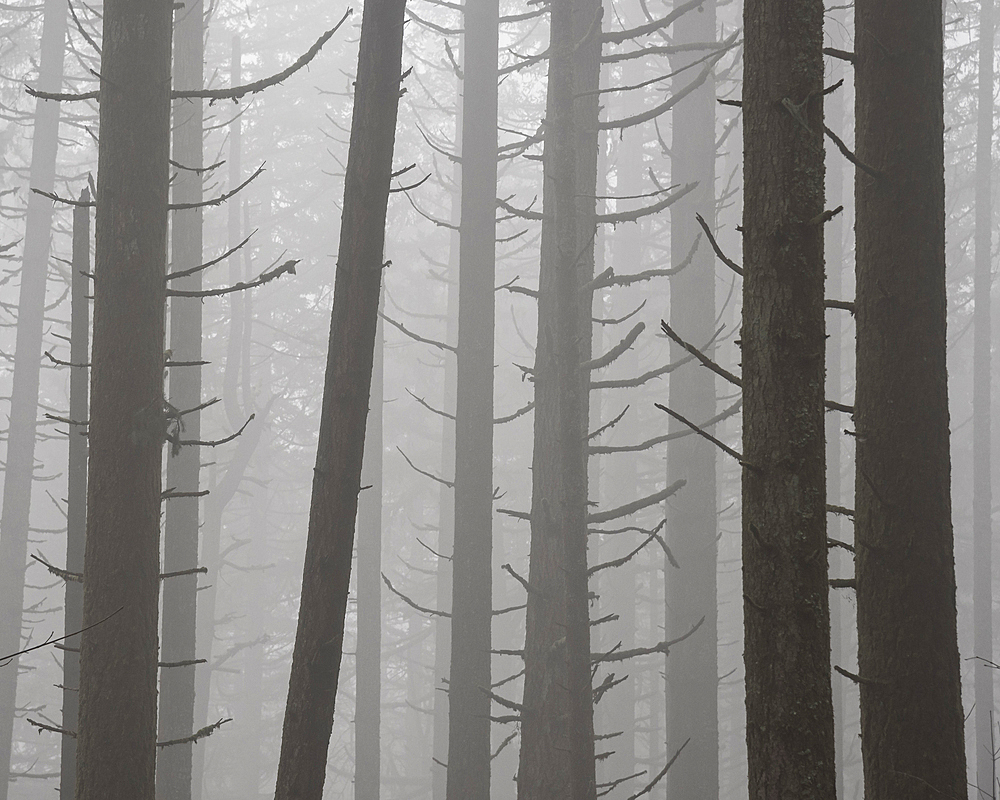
[
  {"x": 368, "y": 657},
  {"x": 177, "y": 684},
  {"x": 790, "y": 736},
  {"x": 472, "y": 566},
  {"x": 76, "y": 503},
  {"x": 118, "y": 660},
  {"x": 692, "y": 670},
  {"x": 911, "y": 710},
  {"x": 557, "y": 728},
  {"x": 319, "y": 637},
  {"x": 982, "y": 375},
  {"x": 20, "y": 460}
]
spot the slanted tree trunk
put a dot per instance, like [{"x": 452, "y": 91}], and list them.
[
  {"x": 982, "y": 494},
  {"x": 557, "y": 727},
  {"x": 692, "y": 670},
  {"x": 368, "y": 653},
  {"x": 20, "y": 459},
  {"x": 790, "y": 739},
  {"x": 177, "y": 684},
  {"x": 319, "y": 636},
  {"x": 118, "y": 660},
  {"x": 76, "y": 502},
  {"x": 907, "y": 649},
  {"x": 472, "y": 563}
]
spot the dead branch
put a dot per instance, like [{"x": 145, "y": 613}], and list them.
[
  {"x": 522, "y": 213},
  {"x": 668, "y": 437},
  {"x": 843, "y": 583},
  {"x": 609, "y": 425},
  {"x": 75, "y": 577},
  {"x": 639, "y": 213},
  {"x": 264, "y": 277},
  {"x": 208, "y": 730},
  {"x": 430, "y": 611},
  {"x": 842, "y": 510},
  {"x": 843, "y": 55},
  {"x": 635, "y": 505},
  {"x": 639, "y": 380},
  {"x": 417, "y": 337},
  {"x": 620, "y": 37},
  {"x": 177, "y": 442},
  {"x": 174, "y": 664},
  {"x": 705, "y": 360},
  {"x": 431, "y": 475},
  {"x": 846, "y": 151},
  {"x": 429, "y": 407},
  {"x": 180, "y": 572},
  {"x": 661, "y": 647},
  {"x": 649, "y": 787},
  {"x": 5, "y": 660},
  {"x": 503, "y": 701},
  {"x": 715, "y": 246},
  {"x": 844, "y": 305},
  {"x": 192, "y": 270},
  {"x": 222, "y": 198},
  {"x": 523, "y": 581},
  {"x": 706, "y": 435},
  {"x": 172, "y": 494},
  {"x": 607, "y": 685},
  {"x": 511, "y": 417},
  {"x": 619, "y": 320},
  {"x": 503, "y": 744},
  {"x": 616, "y": 351},
  {"x": 43, "y": 727},
  {"x": 617, "y": 562},
  {"x": 62, "y": 363}
]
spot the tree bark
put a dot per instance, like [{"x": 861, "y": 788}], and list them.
[
  {"x": 319, "y": 636},
  {"x": 118, "y": 659},
  {"x": 911, "y": 711},
  {"x": 790, "y": 734},
  {"x": 177, "y": 684},
  {"x": 20, "y": 459},
  {"x": 472, "y": 564}
]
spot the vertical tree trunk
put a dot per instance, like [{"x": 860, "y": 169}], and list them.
[
  {"x": 368, "y": 658},
  {"x": 790, "y": 740},
  {"x": 472, "y": 564},
  {"x": 20, "y": 460},
  {"x": 177, "y": 684},
  {"x": 557, "y": 728},
  {"x": 76, "y": 504},
  {"x": 907, "y": 648},
  {"x": 982, "y": 374},
  {"x": 319, "y": 637},
  {"x": 692, "y": 670},
  {"x": 118, "y": 659}
]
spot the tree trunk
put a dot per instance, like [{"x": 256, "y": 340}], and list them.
[
  {"x": 557, "y": 727},
  {"x": 790, "y": 738},
  {"x": 472, "y": 564},
  {"x": 319, "y": 636},
  {"x": 20, "y": 460},
  {"x": 982, "y": 494},
  {"x": 76, "y": 503},
  {"x": 118, "y": 659},
  {"x": 692, "y": 670},
  {"x": 907, "y": 649},
  {"x": 177, "y": 684}
]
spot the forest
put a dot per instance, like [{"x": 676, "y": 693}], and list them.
[{"x": 498, "y": 399}]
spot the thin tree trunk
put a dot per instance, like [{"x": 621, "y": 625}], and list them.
[
  {"x": 20, "y": 460},
  {"x": 177, "y": 684},
  {"x": 692, "y": 670},
  {"x": 907, "y": 644},
  {"x": 982, "y": 374},
  {"x": 319, "y": 636},
  {"x": 790, "y": 735},
  {"x": 76, "y": 504},
  {"x": 472, "y": 567},
  {"x": 118, "y": 659},
  {"x": 557, "y": 727},
  {"x": 368, "y": 657}
]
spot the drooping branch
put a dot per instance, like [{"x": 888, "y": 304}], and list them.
[
  {"x": 417, "y": 337},
  {"x": 430, "y": 611},
  {"x": 425, "y": 473},
  {"x": 264, "y": 277},
  {"x": 706, "y": 435},
  {"x": 636, "y": 505},
  {"x": 705, "y": 360},
  {"x": 715, "y": 246},
  {"x": 649, "y": 787}
]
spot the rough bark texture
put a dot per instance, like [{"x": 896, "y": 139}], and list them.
[
  {"x": 118, "y": 660},
  {"x": 20, "y": 457},
  {"x": 76, "y": 503},
  {"x": 319, "y": 637},
  {"x": 368, "y": 658},
  {"x": 692, "y": 670},
  {"x": 790, "y": 738},
  {"x": 177, "y": 684},
  {"x": 911, "y": 711},
  {"x": 982, "y": 490},
  {"x": 472, "y": 567},
  {"x": 557, "y": 744}
]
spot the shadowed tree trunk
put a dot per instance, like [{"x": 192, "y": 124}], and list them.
[
  {"x": 790, "y": 738},
  {"x": 319, "y": 636},
  {"x": 472, "y": 567},
  {"x": 557, "y": 727},
  {"x": 118, "y": 659},
  {"x": 177, "y": 684},
  {"x": 907, "y": 649},
  {"x": 76, "y": 503},
  {"x": 20, "y": 458},
  {"x": 692, "y": 670}
]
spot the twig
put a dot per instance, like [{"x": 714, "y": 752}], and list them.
[{"x": 7, "y": 659}]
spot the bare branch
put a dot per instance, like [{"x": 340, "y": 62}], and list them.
[
  {"x": 260, "y": 280},
  {"x": 616, "y": 351},
  {"x": 208, "y": 730},
  {"x": 431, "y": 475},
  {"x": 639, "y": 213},
  {"x": 715, "y": 246},
  {"x": 416, "y": 337},
  {"x": 635, "y": 505},
  {"x": 705, "y": 360},
  {"x": 432, "y": 612}
]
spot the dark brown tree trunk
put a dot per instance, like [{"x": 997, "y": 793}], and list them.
[
  {"x": 790, "y": 738},
  {"x": 557, "y": 727},
  {"x": 319, "y": 637},
  {"x": 20, "y": 458},
  {"x": 177, "y": 684},
  {"x": 692, "y": 670},
  {"x": 911, "y": 710},
  {"x": 76, "y": 502},
  {"x": 472, "y": 564},
  {"x": 982, "y": 436},
  {"x": 118, "y": 660}
]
